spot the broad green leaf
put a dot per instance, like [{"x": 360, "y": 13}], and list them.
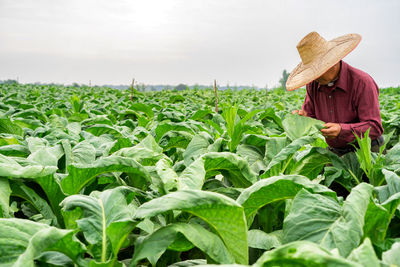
[
  {"x": 391, "y": 188},
  {"x": 146, "y": 109},
  {"x": 100, "y": 129},
  {"x": 175, "y": 139},
  {"x": 27, "y": 123},
  {"x": 79, "y": 175},
  {"x": 119, "y": 144},
  {"x": 302, "y": 253},
  {"x": 11, "y": 168},
  {"x": 322, "y": 220},
  {"x": 345, "y": 171},
  {"x": 233, "y": 167},
  {"x": 42, "y": 153},
  {"x": 285, "y": 155},
  {"x": 365, "y": 255},
  {"x": 8, "y": 139},
  {"x": 223, "y": 215},
  {"x": 107, "y": 218},
  {"x": 277, "y": 188},
  {"x": 393, "y": 155},
  {"x": 274, "y": 145},
  {"x": 193, "y": 176},
  {"x": 377, "y": 219},
  {"x": 5, "y": 193},
  {"x": 197, "y": 147},
  {"x": 266, "y": 241},
  {"x": 147, "y": 152},
  {"x": 53, "y": 258},
  {"x": 83, "y": 153},
  {"x": 21, "y": 190},
  {"x": 98, "y": 119},
  {"x": 392, "y": 256},
  {"x": 14, "y": 150},
  {"x": 155, "y": 244},
  {"x": 297, "y": 126},
  {"x": 6, "y": 126},
  {"x": 52, "y": 188},
  {"x": 255, "y": 140},
  {"x": 164, "y": 127},
  {"x": 188, "y": 263},
  {"x": 31, "y": 112},
  {"x": 270, "y": 114},
  {"x": 253, "y": 155},
  {"x": 168, "y": 176},
  {"x": 57, "y": 122},
  {"x": 311, "y": 165},
  {"x": 22, "y": 241},
  {"x": 102, "y": 144},
  {"x": 215, "y": 128},
  {"x": 202, "y": 114}
]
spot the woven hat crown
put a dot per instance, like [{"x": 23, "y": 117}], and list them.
[
  {"x": 318, "y": 56},
  {"x": 311, "y": 47}
]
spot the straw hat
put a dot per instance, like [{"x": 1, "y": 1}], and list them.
[{"x": 318, "y": 56}]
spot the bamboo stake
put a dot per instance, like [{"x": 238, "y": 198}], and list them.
[
  {"x": 216, "y": 96},
  {"x": 133, "y": 82}
]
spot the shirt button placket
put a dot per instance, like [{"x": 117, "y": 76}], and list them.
[{"x": 331, "y": 107}]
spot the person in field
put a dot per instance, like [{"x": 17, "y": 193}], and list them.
[{"x": 344, "y": 97}]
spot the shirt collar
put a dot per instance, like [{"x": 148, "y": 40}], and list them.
[{"x": 342, "y": 81}]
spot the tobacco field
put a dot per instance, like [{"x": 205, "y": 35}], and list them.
[{"x": 91, "y": 177}]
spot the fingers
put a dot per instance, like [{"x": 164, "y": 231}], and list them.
[
  {"x": 327, "y": 131},
  {"x": 300, "y": 112},
  {"x": 328, "y": 128},
  {"x": 331, "y": 129}
]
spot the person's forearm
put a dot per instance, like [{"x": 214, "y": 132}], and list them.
[{"x": 348, "y": 130}]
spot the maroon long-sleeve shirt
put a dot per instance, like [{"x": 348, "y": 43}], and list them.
[{"x": 352, "y": 102}]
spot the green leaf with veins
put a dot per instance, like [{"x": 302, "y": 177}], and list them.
[
  {"x": 107, "y": 218},
  {"x": 155, "y": 244},
  {"x": 322, "y": 220},
  {"x": 297, "y": 126},
  {"x": 223, "y": 214},
  {"x": 22, "y": 241}
]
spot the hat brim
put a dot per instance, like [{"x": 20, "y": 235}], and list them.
[{"x": 338, "y": 49}]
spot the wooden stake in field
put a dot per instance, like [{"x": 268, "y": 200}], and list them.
[
  {"x": 216, "y": 96},
  {"x": 133, "y": 83}
]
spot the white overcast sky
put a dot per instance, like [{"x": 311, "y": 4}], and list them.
[{"x": 238, "y": 42}]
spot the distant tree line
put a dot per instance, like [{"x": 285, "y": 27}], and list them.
[{"x": 180, "y": 87}]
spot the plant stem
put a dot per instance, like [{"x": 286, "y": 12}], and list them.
[
  {"x": 104, "y": 237},
  {"x": 216, "y": 96},
  {"x": 287, "y": 164},
  {"x": 355, "y": 177}
]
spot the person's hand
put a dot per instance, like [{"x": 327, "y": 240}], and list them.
[
  {"x": 331, "y": 130},
  {"x": 300, "y": 112}
]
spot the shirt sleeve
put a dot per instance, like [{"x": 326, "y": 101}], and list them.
[
  {"x": 308, "y": 105},
  {"x": 367, "y": 105}
]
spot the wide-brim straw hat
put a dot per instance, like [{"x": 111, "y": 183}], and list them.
[{"x": 318, "y": 55}]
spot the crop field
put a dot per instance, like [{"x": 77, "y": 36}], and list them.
[{"x": 93, "y": 176}]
